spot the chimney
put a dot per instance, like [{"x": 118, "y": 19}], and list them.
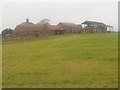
[{"x": 27, "y": 20}]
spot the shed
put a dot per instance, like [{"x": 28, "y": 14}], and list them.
[
  {"x": 94, "y": 27},
  {"x": 55, "y": 29},
  {"x": 69, "y": 27},
  {"x": 94, "y": 23}
]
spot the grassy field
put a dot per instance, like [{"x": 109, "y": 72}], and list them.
[{"x": 75, "y": 61}]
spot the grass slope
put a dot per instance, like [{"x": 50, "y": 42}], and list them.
[{"x": 75, "y": 61}]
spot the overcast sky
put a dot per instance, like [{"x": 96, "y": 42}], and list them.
[{"x": 14, "y": 13}]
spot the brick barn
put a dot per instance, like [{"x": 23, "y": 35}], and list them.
[
  {"x": 54, "y": 29},
  {"x": 43, "y": 28},
  {"x": 29, "y": 28},
  {"x": 70, "y": 27}
]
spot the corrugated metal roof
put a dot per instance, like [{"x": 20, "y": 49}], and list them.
[
  {"x": 68, "y": 24},
  {"x": 26, "y": 24},
  {"x": 94, "y": 23},
  {"x": 109, "y": 26},
  {"x": 54, "y": 27}
]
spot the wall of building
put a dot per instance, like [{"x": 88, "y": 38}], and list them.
[
  {"x": 43, "y": 30},
  {"x": 94, "y": 30},
  {"x": 69, "y": 29},
  {"x": 28, "y": 30}
]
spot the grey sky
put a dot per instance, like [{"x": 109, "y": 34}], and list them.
[{"x": 14, "y": 13}]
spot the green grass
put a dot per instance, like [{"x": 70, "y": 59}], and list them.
[{"x": 75, "y": 61}]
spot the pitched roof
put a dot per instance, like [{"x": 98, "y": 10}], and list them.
[
  {"x": 54, "y": 27},
  {"x": 27, "y": 23},
  {"x": 94, "y": 22},
  {"x": 68, "y": 24}
]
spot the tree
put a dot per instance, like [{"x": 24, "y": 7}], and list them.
[
  {"x": 44, "y": 21},
  {"x": 7, "y": 31}
]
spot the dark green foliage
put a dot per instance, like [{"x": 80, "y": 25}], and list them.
[{"x": 7, "y": 31}]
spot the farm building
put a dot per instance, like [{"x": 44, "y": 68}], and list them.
[
  {"x": 70, "y": 27},
  {"x": 44, "y": 28},
  {"x": 24, "y": 28},
  {"x": 28, "y": 28},
  {"x": 110, "y": 29},
  {"x": 79, "y": 28},
  {"x": 41, "y": 28},
  {"x": 94, "y": 27},
  {"x": 54, "y": 29}
]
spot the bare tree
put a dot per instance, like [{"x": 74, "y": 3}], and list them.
[{"x": 45, "y": 21}]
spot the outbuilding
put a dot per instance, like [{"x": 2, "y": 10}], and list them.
[
  {"x": 94, "y": 27},
  {"x": 54, "y": 29}
]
